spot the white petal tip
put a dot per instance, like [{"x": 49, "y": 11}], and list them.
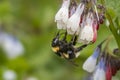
[{"x": 90, "y": 64}]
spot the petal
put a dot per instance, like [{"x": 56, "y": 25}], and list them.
[
  {"x": 95, "y": 34},
  {"x": 90, "y": 64},
  {"x": 74, "y": 20},
  {"x": 108, "y": 72},
  {"x": 62, "y": 15},
  {"x": 86, "y": 34},
  {"x": 99, "y": 74}
]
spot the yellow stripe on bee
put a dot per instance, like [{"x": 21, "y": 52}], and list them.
[
  {"x": 66, "y": 55},
  {"x": 55, "y": 49}
]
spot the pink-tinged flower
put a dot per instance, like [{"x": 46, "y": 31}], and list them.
[
  {"x": 108, "y": 71},
  {"x": 100, "y": 71},
  {"x": 88, "y": 31},
  {"x": 73, "y": 26},
  {"x": 90, "y": 63},
  {"x": 86, "y": 34},
  {"x": 95, "y": 28},
  {"x": 62, "y": 15},
  {"x": 112, "y": 66}
]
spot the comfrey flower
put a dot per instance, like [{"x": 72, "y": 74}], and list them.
[
  {"x": 88, "y": 32},
  {"x": 72, "y": 9},
  {"x": 95, "y": 28},
  {"x": 9, "y": 75},
  {"x": 62, "y": 15},
  {"x": 112, "y": 65},
  {"x": 90, "y": 63},
  {"x": 73, "y": 24},
  {"x": 12, "y": 47},
  {"x": 109, "y": 71},
  {"x": 100, "y": 71},
  {"x": 107, "y": 66}
]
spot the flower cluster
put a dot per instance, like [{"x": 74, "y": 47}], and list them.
[
  {"x": 102, "y": 64},
  {"x": 80, "y": 19},
  {"x": 83, "y": 20}
]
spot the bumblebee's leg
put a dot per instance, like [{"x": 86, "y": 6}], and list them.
[
  {"x": 58, "y": 34},
  {"x": 80, "y": 48},
  {"x": 74, "y": 40},
  {"x": 77, "y": 50},
  {"x": 71, "y": 54},
  {"x": 65, "y": 36}
]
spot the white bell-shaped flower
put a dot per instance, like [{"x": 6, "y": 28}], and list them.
[
  {"x": 12, "y": 47},
  {"x": 62, "y": 15},
  {"x": 99, "y": 75},
  {"x": 86, "y": 33},
  {"x": 73, "y": 24},
  {"x": 100, "y": 71},
  {"x": 9, "y": 75},
  {"x": 90, "y": 64}
]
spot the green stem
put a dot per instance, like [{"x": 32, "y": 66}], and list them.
[
  {"x": 113, "y": 29},
  {"x": 112, "y": 26}
]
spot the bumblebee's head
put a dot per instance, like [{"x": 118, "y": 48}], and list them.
[{"x": 55, "y": 43}]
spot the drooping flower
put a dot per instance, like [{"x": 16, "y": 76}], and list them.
[
  {"x": 73, "y": 26},
  {"x": 90, "y": 64},
  {"x": 108, "y": 71},
  {"x": 72, "y": 9},
  {"x": 88, "y": 32},
  {"x": 100, "y": 71},
  {"x": 112, "y": 66},
  {"x": 62, "y": 15}
]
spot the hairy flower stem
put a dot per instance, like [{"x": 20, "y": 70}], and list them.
[
  {"x": 113, "y": 30},
  {"x": 112, "y": 26}
]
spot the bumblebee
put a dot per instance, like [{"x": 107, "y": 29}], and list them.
[{"x": 66, "y": 49}]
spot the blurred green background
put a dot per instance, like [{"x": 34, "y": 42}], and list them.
[{"x": 32, "y": 22}]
